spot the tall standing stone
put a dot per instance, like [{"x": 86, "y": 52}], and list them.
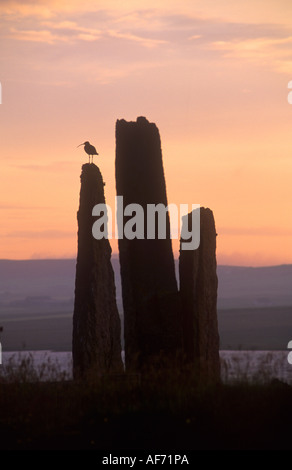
[
  {"x": 96, "y": 324},
  {"x": 198, "y": 290},
  {"x": 149, "y": 288}
]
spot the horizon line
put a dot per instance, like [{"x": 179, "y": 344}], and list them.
[{"x": 116, "y": 255}]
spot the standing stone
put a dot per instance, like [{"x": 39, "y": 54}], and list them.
[
  {"x": 96, "y": 324},
  {"x": 150, "y": 298},
  {"x": 198, "y": 290}
]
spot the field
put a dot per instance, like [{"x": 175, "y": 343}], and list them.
[
  {"x": 266, "y": 328},
  {"x": 36, "y": 305}
]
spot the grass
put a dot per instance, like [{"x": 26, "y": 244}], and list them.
[
  {"x": 20, "y": 368},
  {"x": 157, "y": 410},
  {"x": 258, "y": 367}
]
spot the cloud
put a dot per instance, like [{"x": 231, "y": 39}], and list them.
[
  {"x": 195, "y": 36},
  {"x": 27, "y": 8},
  {"x": 41, "y": 234},
  {"x": 264, "y": 44},
  {"x": 255, "y": 231},
  {"x": 43, "y": 9},
  {"x": 144, "y": 41},
  {"x": 92, "y": 34},
  {"x": 8, "y": 206},
  {"x": 64, "y": 32},
  {"x": 44, "y": 36},
  {"x": 254, "y": 48},
  {"x": 50, "y": 255},
  {"x": 70, "y": 32},
  {"x": 107, "y": 31},
  {"x": 251, "y": 259},
  {"x": 53, "y": 166}
]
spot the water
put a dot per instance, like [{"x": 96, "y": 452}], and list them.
[{"x": 260, "y": 366}]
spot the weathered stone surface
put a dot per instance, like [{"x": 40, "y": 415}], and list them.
[
  {"x": 150, "y": 298},
  {"x": 96, "y": 324},
  {"x": 198, "y": 290}
]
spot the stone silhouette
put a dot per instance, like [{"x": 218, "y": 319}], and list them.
[
  {"x": 198, "y": 291},
  {"x": 96, "y": 324},
  {"x": 150, "y": 298}
]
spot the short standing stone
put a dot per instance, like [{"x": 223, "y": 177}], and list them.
[{"x": 198, "y": 289}]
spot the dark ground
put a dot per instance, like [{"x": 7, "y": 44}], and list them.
[{"x": 152, "y": 414}]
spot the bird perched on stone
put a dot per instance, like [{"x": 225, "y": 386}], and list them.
[{"x": 89, "y": 149}]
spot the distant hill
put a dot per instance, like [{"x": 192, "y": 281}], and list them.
[
  {"x": 244, "y": 287},
  {"x": 52, "y": 277},
  {"x": 239, "y": 287},
  {"x": 36, "y": 304}
]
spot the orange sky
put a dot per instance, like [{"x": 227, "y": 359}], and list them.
[{"x": 212, "y": 75}]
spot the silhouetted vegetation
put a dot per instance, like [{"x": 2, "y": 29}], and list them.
[{"x": 157, "y": 410}]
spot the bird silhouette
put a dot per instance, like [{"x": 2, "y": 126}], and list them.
[{"x": 89, "y": 149}]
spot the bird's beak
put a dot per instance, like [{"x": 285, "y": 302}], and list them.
[{"x": 79, "y": 145}]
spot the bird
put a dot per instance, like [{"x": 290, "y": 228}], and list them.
[{"x": 89, "y": 149}]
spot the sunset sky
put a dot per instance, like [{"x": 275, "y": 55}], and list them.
[{"x": 212, "y": 75}]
